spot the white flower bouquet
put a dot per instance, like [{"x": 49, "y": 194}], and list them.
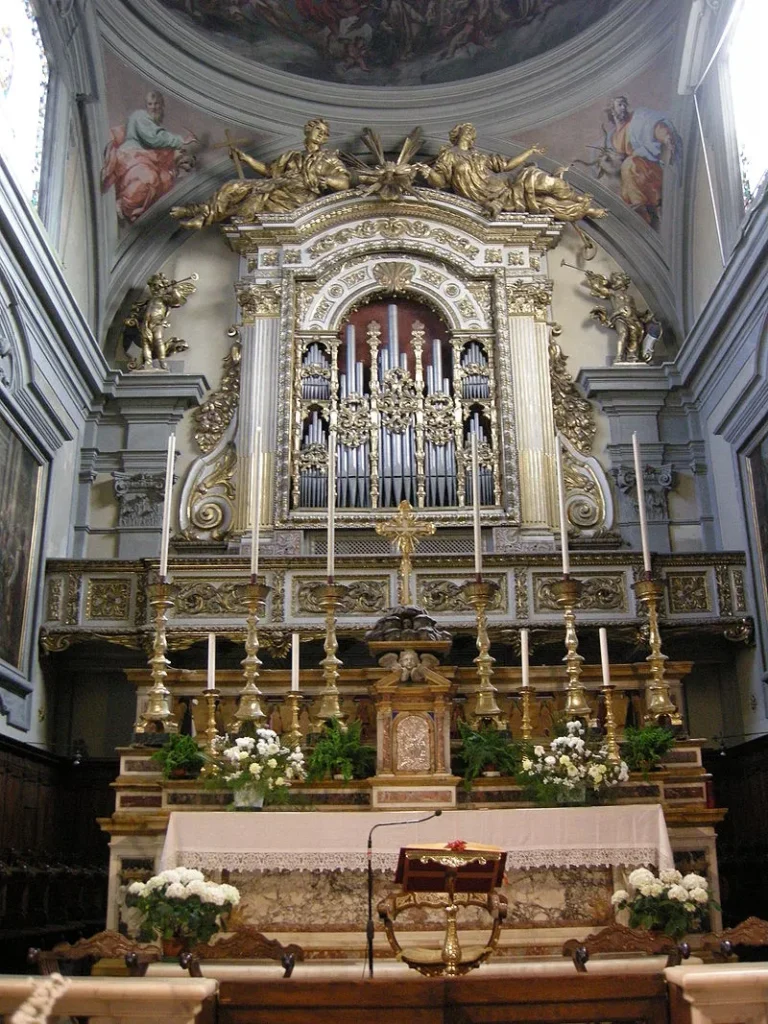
[
  {"x": 673, "y": 903},
  {"x": 259, "y": 762},
  {"x": 181, "y": 904},
  {"x": 570, "y": 770}
]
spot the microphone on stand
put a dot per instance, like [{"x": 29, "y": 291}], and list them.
[{"x": 369, "y": 925}]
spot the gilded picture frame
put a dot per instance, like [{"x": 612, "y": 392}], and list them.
[{"x": 20, "y": 481}]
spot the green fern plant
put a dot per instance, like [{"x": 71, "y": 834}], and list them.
[
  {"x": 643, "y": 748},
  {"x": 486, "y": 749},
  {"x": 179, "y": 756},
  {"x": 341, "y": 751}
]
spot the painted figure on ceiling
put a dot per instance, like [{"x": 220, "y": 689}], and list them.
[
  {"x": 143, "y": 159},
  {"x": 296, "y": 177},
  {"x": 639, "y": 144}
]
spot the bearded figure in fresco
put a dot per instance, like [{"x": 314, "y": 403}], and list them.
[
  {"x": 499, "y": 183},
  {"x": 143, "y": 160},
  {"x": 295, "y": 178}
]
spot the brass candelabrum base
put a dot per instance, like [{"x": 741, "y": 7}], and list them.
[
  {"x": 211, "y": 696},
  {"x": 611, "y": 743},
  {"x": 249, "y": 715},
  {"x": 293, "y": 737},
  {"x": 526, "y": 729},
  {"x": 329, "y": 596},
  {"x": 157, "y": 716},
  {"x": 658, "y": 703},
  {"x": 567, "y": 593},
  {"x": 479, "y": 594}
]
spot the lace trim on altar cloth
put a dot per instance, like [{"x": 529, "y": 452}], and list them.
[{"x": 313, "y": 860}]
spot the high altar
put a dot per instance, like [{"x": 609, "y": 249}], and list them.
[{"x": 400, "y": 325}]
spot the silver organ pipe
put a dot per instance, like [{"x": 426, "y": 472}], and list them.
[{"x": 465, "y": 390}]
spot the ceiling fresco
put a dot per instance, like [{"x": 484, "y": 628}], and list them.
[{"x": 390, "y": 42}]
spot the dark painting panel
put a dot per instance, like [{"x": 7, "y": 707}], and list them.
[
  {"x": 19, "y": 479},
  {"x": 391, "y": 42},
  {"x": 758, "y": 472}
]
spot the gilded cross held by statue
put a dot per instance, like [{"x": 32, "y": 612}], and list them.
[
  {"x": 232, "y": 145},
  {"x": 405, "y": 531}
]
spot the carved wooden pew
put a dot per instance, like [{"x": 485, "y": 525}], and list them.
[{"x": 618, "y": 939}]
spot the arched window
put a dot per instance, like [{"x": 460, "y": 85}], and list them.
[
  {"x": 745, "y": 68},
  {"x": 23, "y": 94},
  {"x": 407, "y": 397}
]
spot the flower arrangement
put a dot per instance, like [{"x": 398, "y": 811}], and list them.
[
  {"x": 181, "y": 904},
  {"x": 673, "y": 903},
  {"x": 570, "y": 771},
  {"x": 260, "y": 762}
]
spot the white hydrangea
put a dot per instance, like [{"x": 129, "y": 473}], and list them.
[
  {"x": 677, "y": 892},
  {"x": 670, "y": 876},
  {"x": 699, "y": 894},
  {"x": 137, "y": 888},
  {"x": 640, "y": 876},
  {"x": 177, "y": 891},
  {"x": 539, "y": 751},
  {"x": 620, "y": 896},
  {"x": 694, "y": 881}
]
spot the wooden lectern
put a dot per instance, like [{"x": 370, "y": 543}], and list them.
[{"x": 448, "y": 876}]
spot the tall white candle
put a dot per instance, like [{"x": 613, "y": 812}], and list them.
[
  {"x": 476, "y": 507},
  {"x": 331, "y": 501},
  {"x": 524, "y": 664},
  {"x": 255, "y": 501},
  {"x": 639, "y": 477},
  {"x": 604, "y": 656},
  {"x": 165, "y": 533},
  {"x": 295, "y": 652},
  {"x": 561, "y": 503},
  {"x": 211, "y": 661}
]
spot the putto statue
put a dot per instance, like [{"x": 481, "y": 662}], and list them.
[
  {"x": 296, "y": 177},
  {"x": 638, "y": 331},
  {"x": 500, "y": 183},
  {"x": 148, "y": 319}
]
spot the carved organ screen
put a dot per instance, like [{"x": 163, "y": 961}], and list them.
[{"x": 405, "y": 397}]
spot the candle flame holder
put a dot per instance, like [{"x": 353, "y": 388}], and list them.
[
  {"x": 249, "y": 714},
  {"x": 329, "y": 596},
  {"x": 479, "y": 594},
  {"x": 658, "y": 703},
  {"x": 293, "y": 736},
  {"x": 211, "y": 732},
  {"x": 157, "y": 716},
  {"x": 567, "y": 593}
]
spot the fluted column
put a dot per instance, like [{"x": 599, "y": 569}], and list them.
[
  {"x": 260, "y": 338},
  {"x": 534, "y": 417}
]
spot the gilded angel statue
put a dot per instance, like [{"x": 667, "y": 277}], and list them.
[
  {"x": 637, "y": 330},
  {"x": 296, "y": 177},
  {"x": 148, "y": 320},
  {"x": 500, "y": 183}
]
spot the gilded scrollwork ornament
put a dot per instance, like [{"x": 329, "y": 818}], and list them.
[
  {"x": 398, "y": 400},
  {"x": 258, "y": 300},
  {"x": 574, "y": 415},
  {"x": 210, "y": 503},
  {"x": 354, "y": 420},
  {"x": 212, "y": 418},
  {"x": 394, "y": 277}
]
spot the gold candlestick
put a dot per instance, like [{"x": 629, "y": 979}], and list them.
[
  {"x": 329, "y": 595},
  {"x": 479, "y": 594},
  {"x": 567, "y": 592},
  {"x": 211, "y": 732},
  {"x": 293, "y": 737},
  {"x": 658, "y": 703},
  {"x": 157, "y": 716},
  {"x": 249, "y": 713},
  {"x": 526, "y": 730},
  {"x": 610, "y": 725}
]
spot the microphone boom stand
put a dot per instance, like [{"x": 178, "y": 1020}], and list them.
[{"x": 369, "y": 923}]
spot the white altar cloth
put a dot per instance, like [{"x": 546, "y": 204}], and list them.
[{"x": 336, "y": 840}]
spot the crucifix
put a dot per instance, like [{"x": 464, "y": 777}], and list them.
[
  {"x": 405, "y": 531},
  {"x": 232, "y": 145}
]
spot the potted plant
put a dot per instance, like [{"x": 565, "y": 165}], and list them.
[
  {"x": 340, "y": 751},
  {"x": 673, "y": 903},
  {"x": 180, "y": 757},
  {"x": 260, "y": 769},
  {"x": 180, "y": 908},
  {"x": 643, "y": 748},
  {"x": 487, "y": 749},
  {"x": 570, "y": 770}
]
